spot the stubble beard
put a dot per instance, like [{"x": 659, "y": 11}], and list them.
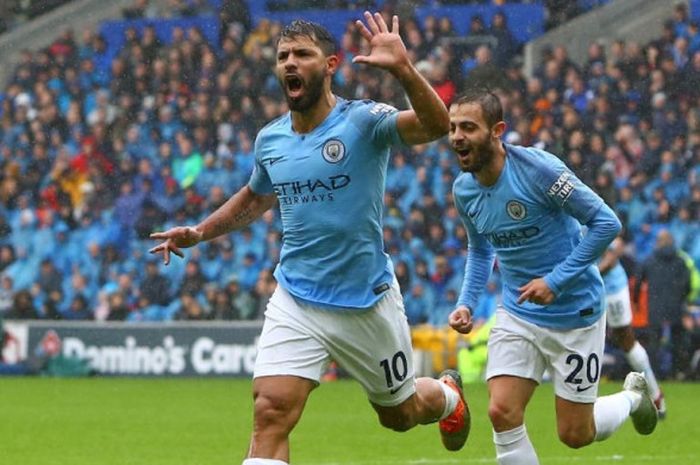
[
  {"x": 481, "y": 155},
  {"x": 313, "y": 89}
]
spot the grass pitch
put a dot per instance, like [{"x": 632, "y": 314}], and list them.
[{"x": 117, "y": 421}]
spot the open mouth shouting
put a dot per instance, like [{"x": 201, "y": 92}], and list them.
[
  {"x": 468, "y": 159},
  {"x": 294, "y": 85},
  {"x": 463, "y": 153}
]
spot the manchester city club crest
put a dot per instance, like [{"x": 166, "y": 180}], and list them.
[
  {"x": 516, "y": 210},
  {"x": 333, "y": 151}
]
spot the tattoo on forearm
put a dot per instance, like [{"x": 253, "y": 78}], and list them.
[{"x": 243, "y": 217}]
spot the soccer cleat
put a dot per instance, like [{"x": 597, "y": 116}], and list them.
[
  {"x": 454, "y": 429},
  {"x": 645, "y": 417},
  {"x": 660, "y": 403}
]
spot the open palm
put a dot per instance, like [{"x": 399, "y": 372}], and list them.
[{"x": 387, "y": 50}]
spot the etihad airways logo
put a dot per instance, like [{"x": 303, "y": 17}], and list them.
[
  {"x": 310, "y": 190},
  {"x": 513, "y": 237}
]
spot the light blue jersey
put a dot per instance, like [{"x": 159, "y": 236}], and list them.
[
  {"x": 330, "y": 187},
  {"x": 615, "y": 279},
  {"x": 530, "y": 219}
]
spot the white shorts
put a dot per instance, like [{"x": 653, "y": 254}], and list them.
[
  {"x": 373, "y": 346},
  {"x": 573, "y": 357},
  {"x": 618, "y": 309}
]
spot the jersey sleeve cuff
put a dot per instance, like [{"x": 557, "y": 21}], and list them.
[{"x": 549, "y": 280}]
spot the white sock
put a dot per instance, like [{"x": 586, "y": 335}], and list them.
[
  {"x": 514, "y": 447},
  {"x": 610, "y": 412},
  {"x": 638, "y": 359},
  {"x": 263, "y": 462},
  {"x": 451, "y": 400}
]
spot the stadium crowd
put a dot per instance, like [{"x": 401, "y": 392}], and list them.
[{"x": 96, "y": 154}]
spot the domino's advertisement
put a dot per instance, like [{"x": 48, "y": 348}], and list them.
[{"x": 223, "y": 350}]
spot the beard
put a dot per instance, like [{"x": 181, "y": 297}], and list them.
[
  {"x": 480, "y": 155},
  {"x": 313, "y": 89}
]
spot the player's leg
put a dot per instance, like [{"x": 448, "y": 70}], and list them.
[
  {"x": 638, "y": 358},
  {"x": 508, "y": 398},
  {"x": 279, "y": 402},
  {"x": 580, "y": 423},
  {"x": 433, "y": 400},
  {"x": 425, "y": 405},
  {"x": 574, "y": 357},
  {"x": 575, "y": 424},
  {"x": 619, "y": 319},
  {"x": 430, "y": 402},
  {"x": 289, "y": 365},
  {"x": 514, "y": 369},
  {"x": 374, "y": 347}
]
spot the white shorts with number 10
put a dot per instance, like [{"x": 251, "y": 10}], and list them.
[
  {"x": 618, "y": 308},
  {"x": 573, "y": 357},
  {"x": 373, "y": 345}
]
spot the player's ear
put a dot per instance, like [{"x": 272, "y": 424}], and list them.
[
  {"x": 332, "y": 63},
  {"x": 498, "y": 129}
]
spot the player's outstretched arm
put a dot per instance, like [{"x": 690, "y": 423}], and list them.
[
  {"x": 429, "y": 119},
  {"x": 238, "y": 211}
]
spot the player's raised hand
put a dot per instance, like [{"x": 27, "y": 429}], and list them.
[
  {"x": 175, "y": 239},
  {"x": 537, "y": 292},
  {"x": 387, "y": 50},
  {"x": 461, "y": 320}
]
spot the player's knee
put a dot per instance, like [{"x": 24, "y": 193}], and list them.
[
  {"x": 576, "y": 437},
  {"x": 617, "y": 337},
  {"x": 504, "y": 417}
]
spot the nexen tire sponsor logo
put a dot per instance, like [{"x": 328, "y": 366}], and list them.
[
  {"x": 205, "y": 357},
  {"x": 562, "y": 188}
]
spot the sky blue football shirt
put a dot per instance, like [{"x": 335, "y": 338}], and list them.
[
  {"x": 330, "y": 187},
  {"x": 530, "y": 219}
]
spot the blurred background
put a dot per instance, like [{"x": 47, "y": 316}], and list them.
[{"x": 126, "y": 117}]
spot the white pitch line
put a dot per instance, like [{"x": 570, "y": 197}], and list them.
[{"x": 467, "y": 460}]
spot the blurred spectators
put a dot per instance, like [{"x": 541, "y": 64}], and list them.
[
  {"x": 97, "y": 152},
  {"x": 668, "y": 279}
]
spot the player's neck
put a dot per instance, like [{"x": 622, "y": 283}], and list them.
[
  {"x": 489, "y": 174},
  {"x": 307, "y": 121}
]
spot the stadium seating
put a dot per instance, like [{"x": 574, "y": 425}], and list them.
[{"x": 150, "y": 123}]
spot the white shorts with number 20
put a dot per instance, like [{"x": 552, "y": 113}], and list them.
[
  {"x": 573, "y": 357},
  {"x": 373, "y": 345}
]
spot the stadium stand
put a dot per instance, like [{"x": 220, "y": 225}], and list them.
[
  {"x": 13, "y": 13},
  {"x": 148, "y": 123}
]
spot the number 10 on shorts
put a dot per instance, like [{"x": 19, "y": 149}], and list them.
[{"x": 396, "y": 369}]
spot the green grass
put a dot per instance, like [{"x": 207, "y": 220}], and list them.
[{"x": 120, "y": 421}]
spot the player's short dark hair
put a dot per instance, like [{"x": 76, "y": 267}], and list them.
[
  {"x": 314, "y": 31},
  {"x": 488, "y": 101}
]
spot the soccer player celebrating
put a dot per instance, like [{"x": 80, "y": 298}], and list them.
[
  {"x": 325, "y": 163},
  {"x": 525, "y": 207},
  {"x": 618, "y": 315}
]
